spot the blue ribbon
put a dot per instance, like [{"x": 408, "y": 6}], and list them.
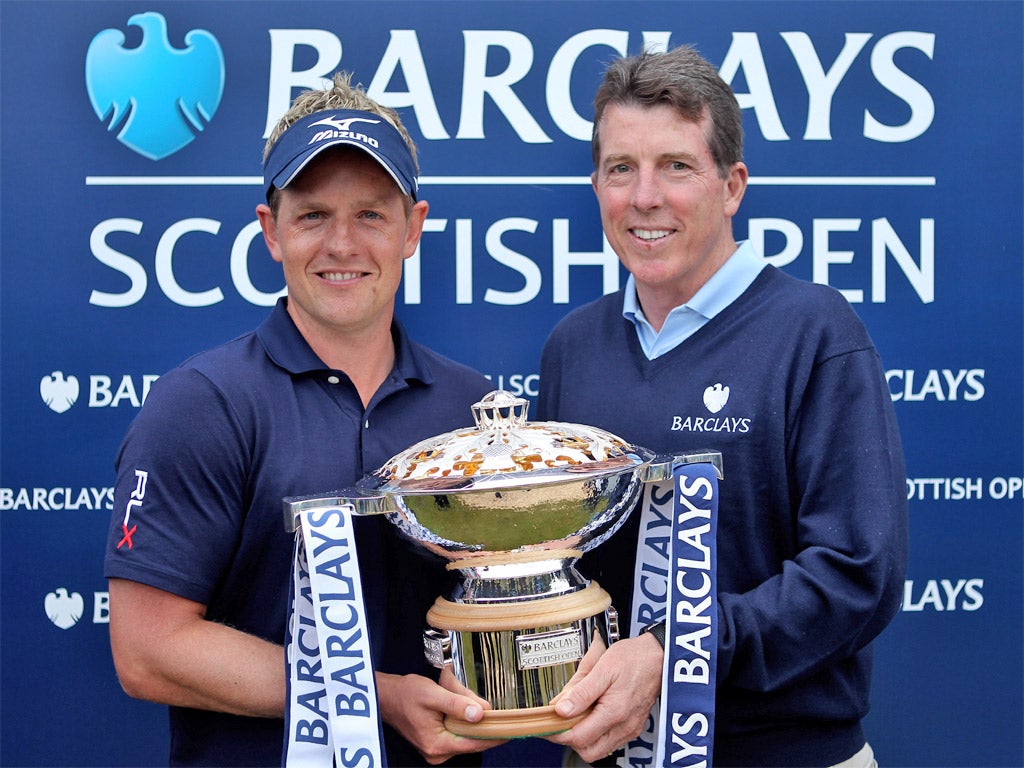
[
  {"x": 674, "y": 581},
  {"x": 687, "y": 732}
]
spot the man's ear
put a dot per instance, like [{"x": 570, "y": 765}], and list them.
[
  {"x": 269, "y": 227},
  {"x": 414, "y": 229},
  {"x": 735, "y": 188}
]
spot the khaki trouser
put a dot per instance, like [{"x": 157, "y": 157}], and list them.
[{"x": 865, "y": 758}]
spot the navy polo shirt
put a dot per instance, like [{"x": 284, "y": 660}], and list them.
[{"x": 219, "y": 442}]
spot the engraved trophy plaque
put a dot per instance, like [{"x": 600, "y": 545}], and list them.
[{"x": 511, "y": 505}]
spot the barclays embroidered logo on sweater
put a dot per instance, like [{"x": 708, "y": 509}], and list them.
[{"x": 715, "y": 399}]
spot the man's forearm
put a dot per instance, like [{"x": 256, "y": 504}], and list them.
[{"x": 166, "y": 651}]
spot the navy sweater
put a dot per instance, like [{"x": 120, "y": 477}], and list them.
[{"x": 812, "y": 538}]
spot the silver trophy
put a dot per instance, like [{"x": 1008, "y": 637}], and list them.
[{"x": 512, "y": 505}]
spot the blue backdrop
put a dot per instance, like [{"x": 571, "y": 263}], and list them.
[{"x": 884, "y": 145}]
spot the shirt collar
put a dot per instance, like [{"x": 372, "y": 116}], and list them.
[
  {"x": 724, "y": 287},
  {"x": 729, "y": 282},
  {"x": 287, "y": 347}
]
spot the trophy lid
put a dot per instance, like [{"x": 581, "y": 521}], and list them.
[{"x": 505, "y": 450}]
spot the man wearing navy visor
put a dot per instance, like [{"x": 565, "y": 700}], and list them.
[{"x": 327, "y": 389}]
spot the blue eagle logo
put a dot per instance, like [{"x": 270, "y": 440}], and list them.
[{"x": 162, "y": 96}]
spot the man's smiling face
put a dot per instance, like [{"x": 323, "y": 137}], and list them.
[
  {"x": 666, "y": 210},
  {"x": 342, "y": 232}
]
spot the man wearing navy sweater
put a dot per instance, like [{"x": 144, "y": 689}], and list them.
[{"x": 707, "y": 347}]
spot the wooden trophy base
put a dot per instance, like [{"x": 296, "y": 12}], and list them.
[
  {"x": 513, "y": 723},
  {"x": 503, "y": 616}
]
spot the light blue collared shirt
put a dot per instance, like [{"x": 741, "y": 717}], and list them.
[{"x": 724, "y": 287}]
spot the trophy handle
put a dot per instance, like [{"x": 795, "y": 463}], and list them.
[
  {"x": 361, "y": 502},
  {"x": 660, "y": 467}
]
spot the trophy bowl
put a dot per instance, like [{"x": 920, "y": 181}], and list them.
[
  {"x": 510, "y": 485},
  {"x": 511, "y": 505}
]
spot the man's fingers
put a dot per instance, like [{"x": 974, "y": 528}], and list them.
[
  {"x": 464, "y": 707},
  {"x": 576, "y": 699},
  {"x": 593, "y": 654}
]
